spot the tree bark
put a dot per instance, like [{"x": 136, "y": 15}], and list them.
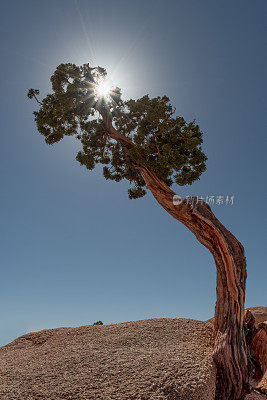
[
  {"x": 230, "y": 352},
  {"x": 237, "y": 369}
]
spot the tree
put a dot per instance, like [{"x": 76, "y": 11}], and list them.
[{"x": 143, "y": 142}]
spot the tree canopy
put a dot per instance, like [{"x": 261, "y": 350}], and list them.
[
  {"x": 142, "y": 141},
  {"x": 166, "y": 144}
]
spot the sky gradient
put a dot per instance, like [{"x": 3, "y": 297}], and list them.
[{"x": 74, "y": 248}]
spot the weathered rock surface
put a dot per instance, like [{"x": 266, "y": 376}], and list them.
[
  {"x": 155, "y": 359},
  {"x": 152, "y": 359},
  {"x": 260, "y": 314}
]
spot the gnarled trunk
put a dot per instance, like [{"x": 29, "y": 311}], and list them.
[
  {"x": 230, "y": 352},
  {"x": 237, "y": 369}
]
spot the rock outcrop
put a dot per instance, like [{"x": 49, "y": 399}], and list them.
[
  {"x": 260, "y": 314},
  {"x": 151, "y": 359},
  {"x": 155, "y": 359}
]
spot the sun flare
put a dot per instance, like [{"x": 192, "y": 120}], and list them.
[{"x": 103, "y": 88}]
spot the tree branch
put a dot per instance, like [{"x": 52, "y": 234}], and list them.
[
  {"x": 37, "y": 99},
  {"x": 107, "y": 119}
]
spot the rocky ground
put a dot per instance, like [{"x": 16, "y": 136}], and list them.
[{"x": 155, "y": 359}]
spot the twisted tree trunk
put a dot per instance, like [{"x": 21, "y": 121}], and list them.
[
  {"x": 237, "y": 370},
  {"x": 230, "y": 352}
]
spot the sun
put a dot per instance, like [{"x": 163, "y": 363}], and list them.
[{"x": 103, "y": 88}]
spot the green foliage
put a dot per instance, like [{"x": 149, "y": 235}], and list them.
[
  {"x": 98, "y": 323},
  {"x": 168, "y": 146},
  {"x": 32, "y": 93}
]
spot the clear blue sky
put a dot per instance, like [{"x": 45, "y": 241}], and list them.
[{"x": 74, "y": 248}]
